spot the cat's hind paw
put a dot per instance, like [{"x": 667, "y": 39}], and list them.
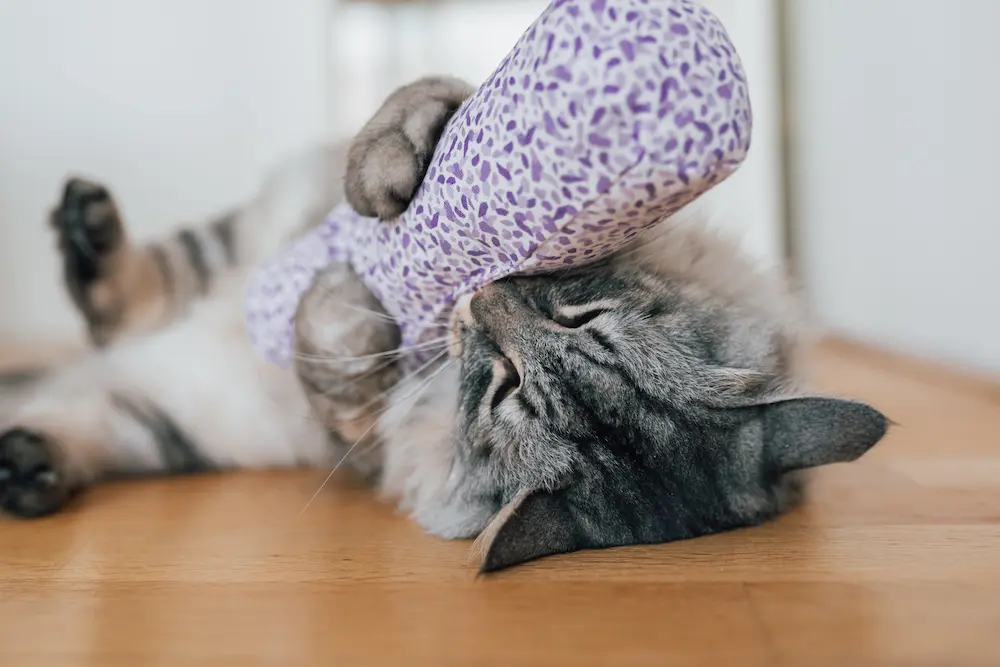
[
  {"x": 91, "y": 235},
  {"x": 31, "y": 484}
]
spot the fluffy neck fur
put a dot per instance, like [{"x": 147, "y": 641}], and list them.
[{"x": 418, "y": 450}]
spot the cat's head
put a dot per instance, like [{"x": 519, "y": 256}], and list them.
[{"x": 611, "y": 406}]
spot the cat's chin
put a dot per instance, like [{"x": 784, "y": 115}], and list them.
[{"x": 461, "y": 318}]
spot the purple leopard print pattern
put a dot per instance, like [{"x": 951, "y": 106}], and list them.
[{"x": 606, "y": 117}]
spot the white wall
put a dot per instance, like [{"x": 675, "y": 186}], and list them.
[
  {"x": 750, "y": 202},
  {"x": 897, "y": 124},
  {"x": 376, "y": 48},
  {"x": 179, "y": 104}
]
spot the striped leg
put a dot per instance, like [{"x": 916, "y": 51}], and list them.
[{"x": 120, "y": 287}]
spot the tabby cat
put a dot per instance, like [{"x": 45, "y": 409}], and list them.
[{"x": 650, "y": 397}]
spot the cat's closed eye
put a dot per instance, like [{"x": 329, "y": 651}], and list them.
[{"x": 574, "y": 317}]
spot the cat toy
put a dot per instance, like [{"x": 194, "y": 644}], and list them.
[{"x": 606, "y": 117}]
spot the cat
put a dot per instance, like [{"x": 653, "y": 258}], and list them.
[{"x": 649, "y": 397}]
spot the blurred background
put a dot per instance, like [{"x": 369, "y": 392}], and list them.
[{"x": 872, "y": 172}]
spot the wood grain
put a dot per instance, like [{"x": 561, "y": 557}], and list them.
[{"x": 894, "y": 560}]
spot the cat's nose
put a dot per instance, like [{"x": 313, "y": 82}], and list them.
[
  {"x": 500, "y": 309},
  {"x": 494, "y": 298},
  {"x": 484, "y": 291},
  {"x": 484, "y": 295}
]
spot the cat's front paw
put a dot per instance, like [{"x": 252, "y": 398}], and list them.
[
  {"x": 90, "y": 235},
  {"x": 344, "y": 340},
  {"x": 31, "y": 483},
  {"x": 389, "y": 157}
]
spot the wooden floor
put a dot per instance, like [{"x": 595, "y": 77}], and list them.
[{"x": 894, "y": 561}]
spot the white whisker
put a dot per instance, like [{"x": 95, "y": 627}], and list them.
[
  {"x": 346, "y": 304},
  {"x": 372, "y": 371},
  {"x": 420, "y": 388},
  {"x": 399, "y": 351},
  {"x": 417, "y": 371},
  {"x": 326, "y": 423}
]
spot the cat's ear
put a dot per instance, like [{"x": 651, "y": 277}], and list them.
[
  {"x": 534, "y": 524},
  {"x": 813, "y": 431}
]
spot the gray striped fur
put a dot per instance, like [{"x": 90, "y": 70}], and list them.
[{"x": 177, "y": 448}]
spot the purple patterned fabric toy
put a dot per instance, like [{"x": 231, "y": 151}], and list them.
[{"x": 607, "y": 116}]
